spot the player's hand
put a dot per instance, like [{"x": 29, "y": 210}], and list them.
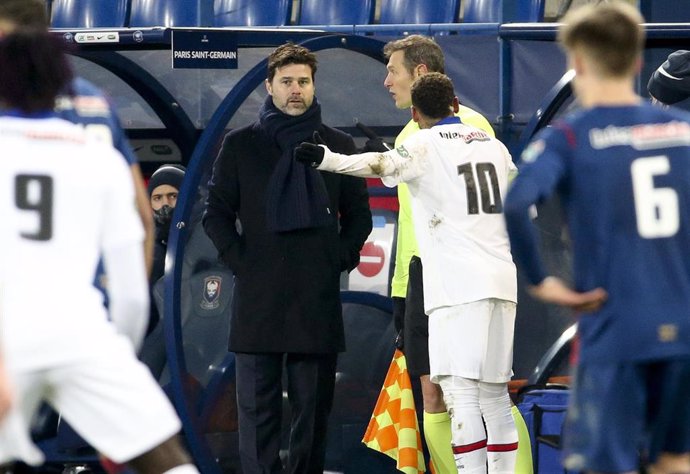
[
  {"x": 309, "y": 154},
  {"x": 553, "y": 290}
]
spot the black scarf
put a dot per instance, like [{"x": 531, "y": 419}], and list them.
[{"x": 296, "y": 197}]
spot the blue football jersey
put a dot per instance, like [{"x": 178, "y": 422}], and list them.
[
  {"x": 86, "y": 104},
  {"x": 623, "y": 176}
]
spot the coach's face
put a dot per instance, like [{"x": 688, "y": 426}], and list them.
[{"x": 292, "y": 89}]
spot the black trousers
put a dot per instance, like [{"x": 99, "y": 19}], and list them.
[{"x": 311, "y": 381}]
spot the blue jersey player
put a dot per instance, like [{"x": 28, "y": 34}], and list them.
[{"x": 622, "y": 170}]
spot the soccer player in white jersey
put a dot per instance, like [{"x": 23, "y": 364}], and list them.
[
  {"x": 83, "y": 103},
  {"x": 61, "y": 210},
  {"x": 457, "y": 176}
]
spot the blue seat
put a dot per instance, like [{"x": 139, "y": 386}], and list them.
[
  {"x": 491, "y": 11},
  {"x": 530, "y": 11},
  {"x": 252, "y": 12},
  {"x": 336, "y": 12},
  {"x": 171, "y": 13},
  {"x": 418, "y": 11},
  {"x": 482, "y": 11},
  {"x": 88, "y": 13}
]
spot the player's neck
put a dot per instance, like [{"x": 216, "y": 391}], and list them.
[{"x": 608, "y": 92}]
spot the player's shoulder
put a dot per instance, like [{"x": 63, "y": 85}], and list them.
[
  {"x": 101, "y": 159},
  {"x": 674, "y": 113},
  {"x": 81, "y": 86},
  {"x": 472, "y": 117},
  {"x": 84, "y": 99}
]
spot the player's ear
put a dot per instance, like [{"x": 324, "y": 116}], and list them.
[
  {"x": 415, "y": 114},
  {"x": 269, "y": 89},
  {"x": 456, "y": 105},
  {"x": 576, "y": 62},
  {"x": 638, "y": 65}
]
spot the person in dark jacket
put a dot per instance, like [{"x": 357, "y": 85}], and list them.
[
  {"x": 287, "y": 232},
  {"x": 163, "y": 188}
]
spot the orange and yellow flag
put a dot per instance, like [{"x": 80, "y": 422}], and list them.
[{"x": 393, "y": 428}]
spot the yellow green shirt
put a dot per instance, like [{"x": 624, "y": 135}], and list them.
[{"x": 406, "y": 245}]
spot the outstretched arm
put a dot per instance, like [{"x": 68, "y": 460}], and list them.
[{"x": 365, "y": 165}]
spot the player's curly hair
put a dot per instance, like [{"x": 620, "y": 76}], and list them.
[
  {"x": 290, "y": 53},
  {"x": 34, "y": 69},
  {"x": 433, "y": 95}
]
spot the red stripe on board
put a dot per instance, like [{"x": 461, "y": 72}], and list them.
[
  {"x": 466, "y": 448},
  {"x": 501, "y": 448}
]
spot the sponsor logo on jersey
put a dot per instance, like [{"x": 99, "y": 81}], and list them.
[
  {"x": 84, "y": 105},
  {"x": 642, "y": 137},
  {"x": 473, "y": 136},
  {"x": 211, "y": 292},
  {"x": 75, "y": 136}
]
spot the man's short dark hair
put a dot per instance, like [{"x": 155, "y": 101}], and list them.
[
  {"x": 610, "y": 34},
  {"x": 433, "y": 95},
  {"x": 290, "y": 53},
  {"x": 417, "y": 50},
  {"x": 25, "y": 13}
]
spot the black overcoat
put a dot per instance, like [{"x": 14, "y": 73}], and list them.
[{"x": 287, "y": 284}]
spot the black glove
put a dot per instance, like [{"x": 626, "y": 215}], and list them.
[
  {"x": 349, "y": 259},
  {"x": 309, "y": 154},
  {"x": 375, "y": 145},
  {"x": 316, "y": 139}
]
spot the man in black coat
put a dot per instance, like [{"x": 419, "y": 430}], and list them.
[{"x": 287, "y": 232}]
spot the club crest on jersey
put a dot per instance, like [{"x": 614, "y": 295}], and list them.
[
  {"x": 211, "y": 292},
  {"x": 532, "y": 151},
  {"x": 402, "y": 151}
]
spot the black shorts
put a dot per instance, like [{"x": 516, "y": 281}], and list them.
[{"x": 416, "y": 323}]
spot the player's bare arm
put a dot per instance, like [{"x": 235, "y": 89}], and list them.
[
  {"x": 554, "y": 290},
  {"x": 5, "y": 391}
]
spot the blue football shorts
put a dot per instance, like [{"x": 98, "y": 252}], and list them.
[{"x": 623, "y": 412}]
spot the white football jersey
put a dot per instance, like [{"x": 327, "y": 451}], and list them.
[
  {"x": 458, "y": 177},
  {"x": 64, "y": 199}
]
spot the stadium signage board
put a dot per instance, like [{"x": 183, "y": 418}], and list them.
[{"x": 203, "y": 49}]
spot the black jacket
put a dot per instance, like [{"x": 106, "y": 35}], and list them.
[{"x": 287, "y": 285}]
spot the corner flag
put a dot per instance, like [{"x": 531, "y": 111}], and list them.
[{"x": 393, "y": 429}]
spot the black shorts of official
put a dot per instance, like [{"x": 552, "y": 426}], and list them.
[{"x": 416, "y": 323}]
